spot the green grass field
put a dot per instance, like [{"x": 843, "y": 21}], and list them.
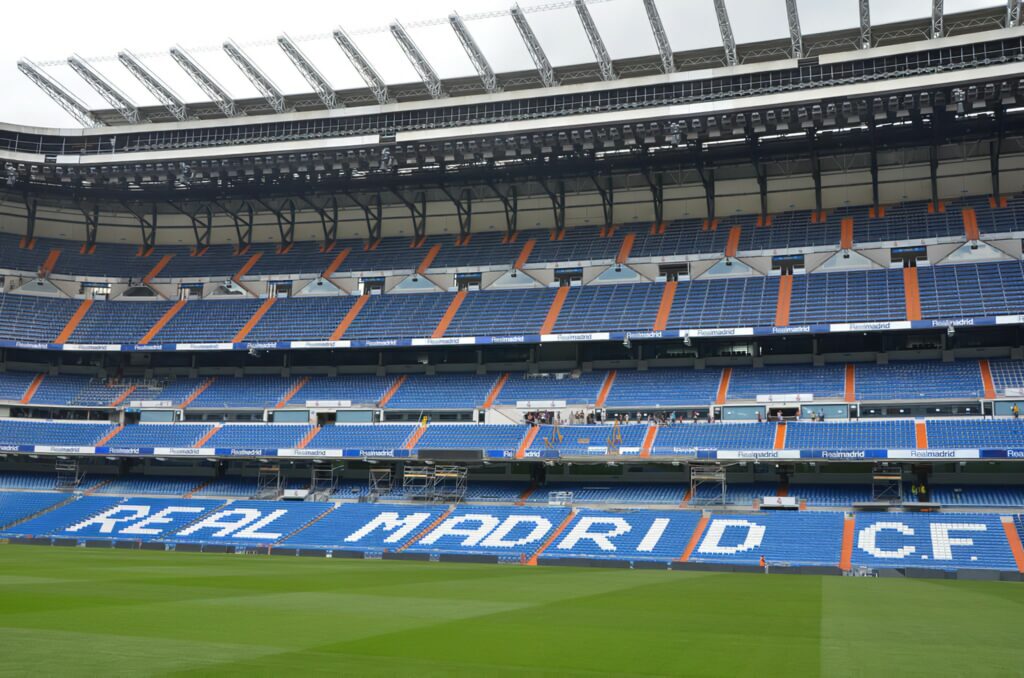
[{"x": 89, "y": 611}]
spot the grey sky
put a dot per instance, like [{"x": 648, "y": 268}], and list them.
[{"x": 56, "y": 29}]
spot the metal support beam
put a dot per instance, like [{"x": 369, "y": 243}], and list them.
[
  {"x": 656, "y": 184},
  {"x": 417, "y": 212},
  {"x": 285, "y": 214},
  {"x": 762, "y": 174},
  {"x": 668, "y": 64},
  {"x": 174, "y": 104},
  {"x": 707, "y": 178},
  {"x": 147, "y": 224},
  {"x": 933, "y": 167},
  {"x": 865, "y": 23},
  {"x": 815, "y": 169},
  {"x": 1012, "y": 13},
  {"x": 995, "y": 147},
  {"x": 309, "y": 71},
  {"x": 328, "y": 213},
  {"x": 106, "y": 89},
  {"x": 607, "y": 193},
  {"x": 874, "y": 178},
  {"x": 510, "y": 201},
  {"x": 725, "y": 28},
  {"x": 557, "y": 195},
  {"x": 476, "y": 56},
  {"x": 264, "y": 85},
  {"x": 202, "y": 223},
  {"x": 362, "y": 66},
  {"x": 463, "y": 209},
  {"x": 205, "y": 81},
  {"x": 92, "y": 223},
  {"x": 243, "y": 219},
  {"x": 71, "y": 104},
  {"x": 604, "y": 62},
  {"x": 419, "y": 62},
  {"x": 373, "y": 210},
  {"x": 796, "y": 38},
  {"x": 31, "y": 208},
  {"x": 937, "y": 12},
  {"x": 540, "y": 59}
]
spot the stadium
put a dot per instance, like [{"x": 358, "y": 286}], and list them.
[{"x": 547, "y": 370}]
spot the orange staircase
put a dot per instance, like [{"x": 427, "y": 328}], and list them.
[
  {"x": 626, "y": 248},
  {"x": 69, "y": 329},
  {"x": 850, "y": 385},
  {"x": 195, "y": 394},
  {"x": 723, "y": 386},
  {"x": 921, "y": 435},
  {"x": 780, "y": 436},
  {"x": 106, "y": 439},
  {"x": 449, "y": 314},
  {"x": 556, "y": 307},
  {"x": 698, "y": 531},
  {"x": 414, "y": 437},
  {"x": 532, "y": 560},
  {"x": 606, "y": 387},
  {"x": 912, "y": 293},
  {"x": 164, "y": 319},
  {"x": 846, "y": 233},
  {"x": 124, "y": 396},
  {"x": 986, "y": 379},
  {"x": 846, "y": 555},
  {"x": 526, "y": 495},
  {"x": 1013, "y": 538},
  {"x": 256, "y": 317},
  {"x": 51, "y": 261},
  {"x": 524, "y": 253},
  {"x": 429, "y": 259},
  {"x": 32, "y": 388},
  {"x": 648, "y": 444},
  {"x": 201, "y": 486},
  {"x": 338, "y": 260},
  {"x": 206, "y": 436},
  {"x": 391, "y": 391},
  {"x": 291, "y": 392},
  {"x": 247, "y": 266},
  {"x": 970, "y": 224},
  {"x": 668, "y": 296},
  {"x": 343, "y": 326},
  {"x": 425, "y": 531},
  {"x": 308, "y": 438},
  {"x": 782, "y": 304},
  {"x": 527, "y": 441},
  {"x": 732, "y": 245},
  {"x": 160, "y": 265},
  {"x": 493, "y": 395}
]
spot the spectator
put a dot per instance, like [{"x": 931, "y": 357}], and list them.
[{"x": 1016, "y": 411}]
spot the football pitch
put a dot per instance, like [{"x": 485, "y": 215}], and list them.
[{"x": 68, "y": 611}]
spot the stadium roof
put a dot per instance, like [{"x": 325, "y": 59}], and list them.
[{"x": 310, "y": 61}]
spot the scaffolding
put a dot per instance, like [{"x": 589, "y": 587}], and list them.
[
  {"x": 69, "y": 476},
  {"x": 711, "y": 476},
  {"x": 887, "y": 484},
  {"x": 380, "y": 483},
  {"x": 434, "y": 483},
  {"x": 615, "y": 438},
  {"x": 323, "y": 481},
  {"x": 269, "y": 484}
]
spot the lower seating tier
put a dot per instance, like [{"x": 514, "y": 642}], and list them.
[{"x": 945, "y": 541}]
